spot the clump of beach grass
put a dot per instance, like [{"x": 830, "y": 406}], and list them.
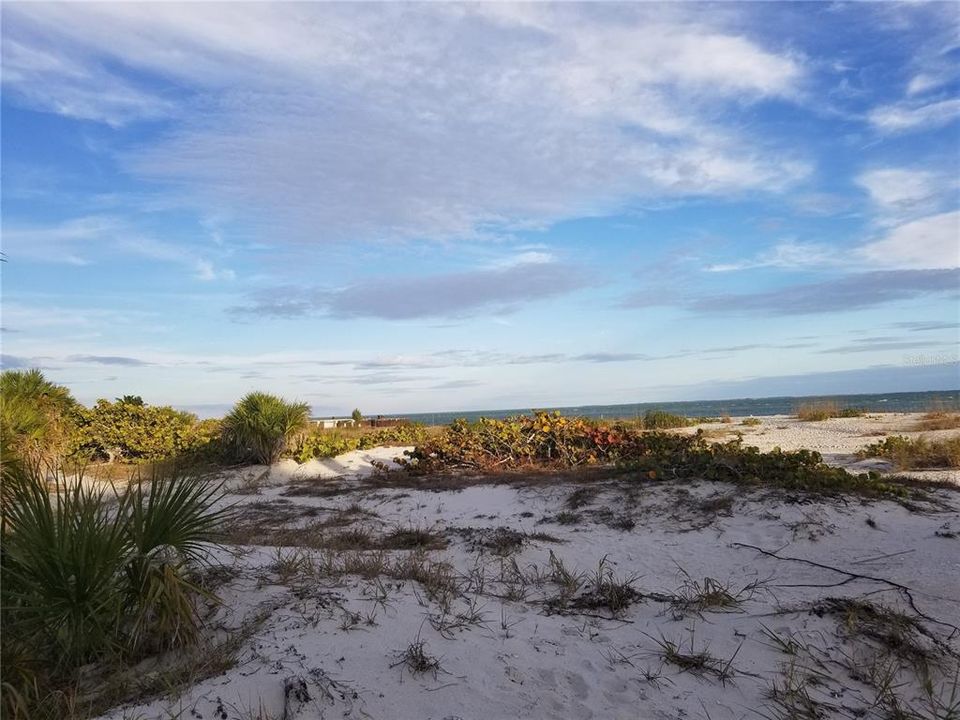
[
  {"x": 663, "y": 420},
  {"x": 824, "y": 410},
  {"x": 916, "y": 453},
  {"x": 939, "y": 420}
]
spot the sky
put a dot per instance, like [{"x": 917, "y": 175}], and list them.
[{"x": 432, "y": 207}]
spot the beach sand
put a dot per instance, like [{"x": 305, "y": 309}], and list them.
[{"x": 490, "y": 607}]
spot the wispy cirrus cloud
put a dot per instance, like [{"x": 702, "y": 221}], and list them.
[
  {"x": 877, "y": 344},
  {"x": 96, "y": 238},
  {"x": 46, "y": 79},
  {"x": 909, "y": 116},
  {"x": 927, "y": 242},
  {"x": 789, "y": 254},
  {"x": 926, "y": 325}
]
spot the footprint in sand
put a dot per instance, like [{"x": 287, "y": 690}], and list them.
[
  {"x": 579, "y": 686},
  {"x": 514, "y": 675}
]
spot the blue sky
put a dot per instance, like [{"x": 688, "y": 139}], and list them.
[{"x": 453, "y": 206}]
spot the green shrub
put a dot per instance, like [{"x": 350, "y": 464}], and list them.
[
  {"x": 551, "y": 440},
  {"x": 752, "y": 422},
  {"x": 36, "y": 416},
  {"x": 916, "y": 453},
  {"x": 89, "y": 575},
  {"x": 406, "y": 434},
  {"x": 169, "y": 529},
  {"x": 662, "y": 420},
  {"x": 130, "y": 431},
  {"x": 260, "y": 427},
  {"x": 323, "y": 445},
  {"x": 64, "y": 555}
]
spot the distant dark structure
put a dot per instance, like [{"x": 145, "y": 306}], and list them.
[{"x": 379, "y": 421}]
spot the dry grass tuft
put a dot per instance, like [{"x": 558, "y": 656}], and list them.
[
  {"x": 824, "y": 410},
  {"x": 416, "y": 659},
  {"x": 413, "y": 538},
  {"x": 698, "y": 662},
  {"x": 708, "y": 596},
  {"x": 939, "y": 420}
]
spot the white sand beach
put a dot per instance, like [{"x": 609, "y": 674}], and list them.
[{"x": 539, "y": 597}]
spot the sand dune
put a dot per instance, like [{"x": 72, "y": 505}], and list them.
[{"x": 546, "y": 598}]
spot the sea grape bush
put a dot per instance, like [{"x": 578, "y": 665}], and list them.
[
  {"x": 322, "y": 444},
  {"x": 543, "y": 438},
  {"x": 551, "y": 440},
  {"x": 131, "y": 431},
  {"x": 406, "y": 434}
]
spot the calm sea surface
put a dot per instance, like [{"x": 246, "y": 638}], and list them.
[{"x": 885, "y": 402}]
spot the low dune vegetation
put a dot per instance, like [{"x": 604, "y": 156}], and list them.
[
  {"x": 90, "y": 573},
  {"x": 37, "y": 417},
  {"x": 939, "y": 420},
  {"x": 916, "y": 453},
  {"x": 260, "y": 426},
  {"x": 825, "y": 410},
  {"x": 662, "y": 420},
  {"x": 101, "y": 579},
  {"x": 92, "y": 576},
  {"x": 326, "y": 443},
  {"x": 546, "y": 440}
]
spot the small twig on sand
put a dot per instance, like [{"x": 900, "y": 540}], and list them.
[
  {"x": 882, "y": 557},
  {"x": 907, "y": 591}
]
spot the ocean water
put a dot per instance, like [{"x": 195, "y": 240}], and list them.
[{"x": 883, "y": 402}]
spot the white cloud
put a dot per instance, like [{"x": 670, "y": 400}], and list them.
[
  {"x": 928, "y": 243},
  {"x": 908, "y": 116},
  {"x": 901, "y": 194},
  {"x": 57, "y": 83},
  {"x": 324, "y": 121},
  {"x": 786, "y": 255},
  {"x": 71, "y": 242},
  {"x": 921, "y": 83},
  {"x": 899, "y": 187},
  {"x": 85, "y": 240},
  {"x": 526, "y": 257}
]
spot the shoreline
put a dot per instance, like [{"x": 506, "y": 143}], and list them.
[{"x": 921, "y": 401}]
